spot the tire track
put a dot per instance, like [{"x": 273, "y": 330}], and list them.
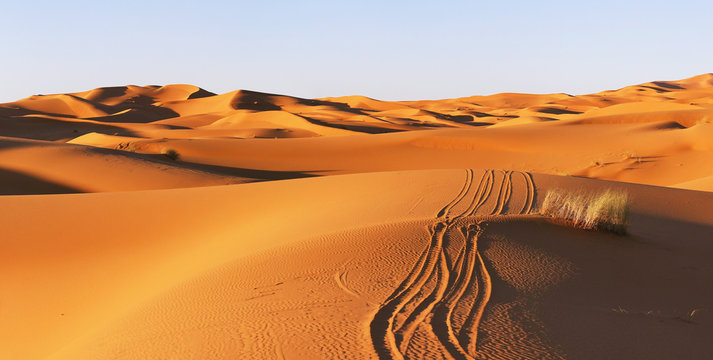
[
  {"x": 468, "y": 335},
  {"x": 442, "y": 316},
  {"x": 433, "y": 305},
  {"x": 411, "y": 277},
  {"x": 425, "y": 307},
  {"x": 481, "y": 196},
  {"x": 408, "y": 329},
  {"x": 463, "y": 191},
  {"x": 503, "y": 193},
  {"x": 530, "y": 193},
  {"x": 382, "y": 324},
  {"x": 341, "y": 278}
]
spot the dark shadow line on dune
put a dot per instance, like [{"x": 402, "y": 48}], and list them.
[
  {"x": 18, "y": 111},
  {"x": 17, "y": 183},
  {"x": 142, "y": 110},
  {"x": 200, "y": 93},
  {"x": 657, "y": 89},
  {"x": 358, "y": 128},
  {"x": 558, "y": 111},
  {"x": 480, "y": 114},
  {"x": 254, "y": 174},
  {"x": 41, "y": 128},
  {"x": 260, "y": 101},
  {"x": 668, "y": 86},
  {"x": 107, "y": 92},
  {"x": 11, "y": 142}
]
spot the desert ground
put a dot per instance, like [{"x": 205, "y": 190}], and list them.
[{"x": 169, "y": 222}]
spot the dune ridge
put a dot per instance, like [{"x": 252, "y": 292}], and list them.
[{"x": 660, "y": 124}]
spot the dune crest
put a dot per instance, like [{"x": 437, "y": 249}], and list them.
[{"x": 190, "y": 120}]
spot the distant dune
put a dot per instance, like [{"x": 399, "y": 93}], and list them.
[
  {"x": 655, "y": 133},
  {"x": 174, "y": 223}
]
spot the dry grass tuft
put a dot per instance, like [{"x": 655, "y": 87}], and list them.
[
  {"x": 607, "y": 211},
  {"x": 170, "y": 153}
]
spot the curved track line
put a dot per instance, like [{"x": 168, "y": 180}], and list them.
[
  {"x": 341, "y": 279},
  {"x": 458, "y": 265},
  {"x": 478, "y": 193},
  {"x": 508, "y": 194},
  {"x": 465, "y": 263},
  {"x": 463, "y": 191},
  {"x": 425, "y": 307},
  {"x": 382, "y": 324},
  {"x": 421, "y": 304},
  {"x": 411, "y": 277},
  {"x": 469, "y": 332},
  {"x": 530, "y": 193},
  {"x": 500, "y": 195},
  {"x": 482, "y": 195},
  {"x": 442, "y": 316},
  {"x": 503, "y": 194}
]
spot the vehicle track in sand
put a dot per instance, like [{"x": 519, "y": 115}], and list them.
[{"x": 423, "y": 305}]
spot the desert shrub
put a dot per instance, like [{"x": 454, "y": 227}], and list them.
[
  {"x": 608, "y": 210},
  {"x": 170, "y": 153}
]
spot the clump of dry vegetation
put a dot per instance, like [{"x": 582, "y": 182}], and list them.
[
  {"x": 170, "y": 153},
  {"x": 607, "y": 211}
]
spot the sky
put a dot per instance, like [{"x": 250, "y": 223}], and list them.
[{"x": 390, "y": 50}]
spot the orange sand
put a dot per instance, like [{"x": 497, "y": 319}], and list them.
[{"x": 331, "y": 228}]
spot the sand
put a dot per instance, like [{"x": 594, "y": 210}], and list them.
[{"x": 353, "y": 228}]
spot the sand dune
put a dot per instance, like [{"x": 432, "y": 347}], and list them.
[
  {"x": 201, "y": 280},
  {"x": 661, "y": 124},
  {"x": 148, "y": 222}
]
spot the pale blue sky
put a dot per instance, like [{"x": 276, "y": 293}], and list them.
[{"x": 388, "y": 50}]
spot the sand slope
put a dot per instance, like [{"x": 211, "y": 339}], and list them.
[{"x": 417, "y": 273}]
